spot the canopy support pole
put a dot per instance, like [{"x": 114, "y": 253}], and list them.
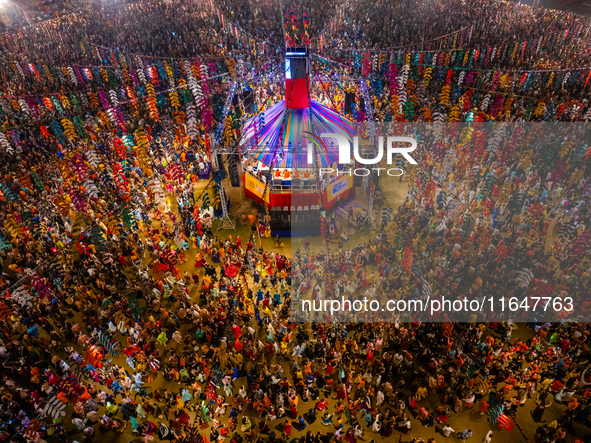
[{"x": 226, "y": 222}]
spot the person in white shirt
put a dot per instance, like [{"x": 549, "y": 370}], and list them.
[
  {"x": 488, "y": 437},
  {"x": 376, "y": 424},
  {"x": 380, "y": 398},
  {"x": 447, "y": 430}
]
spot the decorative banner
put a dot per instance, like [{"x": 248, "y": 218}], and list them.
[
  {"x": 255, "y": 186},
  {"x": 110, "y": 101},
  {"x": 338, "y": 187}
]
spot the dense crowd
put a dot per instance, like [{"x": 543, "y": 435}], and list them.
[{"x": 124, "y": 311}]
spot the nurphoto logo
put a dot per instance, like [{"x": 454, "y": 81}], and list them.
[{"x": 391, "y": 150}]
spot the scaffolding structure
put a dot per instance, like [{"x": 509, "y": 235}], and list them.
[
  {"x": 371, "y": 131},
  {"x": 226, "y": 221}
]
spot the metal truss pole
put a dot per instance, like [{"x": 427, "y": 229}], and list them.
[
  {"x": 226, "y": 221},
  {"x": 371, "y": 130}
]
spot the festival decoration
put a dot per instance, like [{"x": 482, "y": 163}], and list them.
[
  {"x": 22, "y": 296},
  {"x": 408, "y": 260},
  {"x": 54, "y": 408},
  {"x": 286, "y": 126}
]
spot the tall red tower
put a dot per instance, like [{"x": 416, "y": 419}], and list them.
[{"x": 297, "y": 78}]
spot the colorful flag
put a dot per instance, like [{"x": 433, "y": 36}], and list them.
[
  {"x": 305, "y": 38},
  {"x": 294, "y": 19}
]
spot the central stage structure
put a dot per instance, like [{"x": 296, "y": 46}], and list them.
[{"x": 281, "y": 134}]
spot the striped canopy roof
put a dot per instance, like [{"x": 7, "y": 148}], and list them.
[{"x": 290, "y": 129}]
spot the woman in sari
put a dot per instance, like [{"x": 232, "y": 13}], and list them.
[{"x": 540, "y": 408}]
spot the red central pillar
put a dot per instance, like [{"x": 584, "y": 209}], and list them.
[{"x": 297, "y": 78}]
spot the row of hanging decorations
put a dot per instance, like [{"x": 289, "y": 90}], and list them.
[
  {"x": 516, "y": 53},
  {"x": 453, "y": 81},
  {"x": 123, "y": 84},
  {"x": 461, "y": 65},
  {"x": 128, "y": 70},
  {"x": 86, "y": 171},
  {"x": 117, "y": 67},
  {"x": 115, "y": 103},
  {"x": 406, "y": 81},
  {"x": 122, "y": 69},
  {"x": 126, "y": 76},
  {"x": 191, "y": 103},
  {"x": 363, "y": 62},
  {"x": 575, "y": 37},
  {"x": 461, "y": 90},
  {"x": 453, "y": 39}
]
